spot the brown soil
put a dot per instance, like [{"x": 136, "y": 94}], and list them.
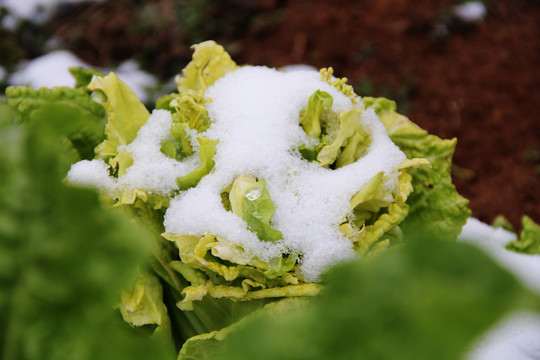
[{"x": 479, "y": 83}]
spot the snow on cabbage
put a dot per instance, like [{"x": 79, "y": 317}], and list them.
[
  {"x": 253, "y": 183},
  {"x": 266, "y": 178}
]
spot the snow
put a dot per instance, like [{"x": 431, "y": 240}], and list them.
[
  {"x": 36, "y": 10},
  {"x": 48, "y": 70},
  {"x": 9, "y": 22},
  {"x": 255, "y": 113},
  {"x": 517, "y": 336},
  {"x": 151, "y": 170},
  {"x": 297, "y": 67},
  {"x": 92, "y": 173},
  {"x": 51, "y": 70},
  {"x": 470, "y": 12},
  {"x": 30, "y": 9},
  {"x": 524, "y": 266}
]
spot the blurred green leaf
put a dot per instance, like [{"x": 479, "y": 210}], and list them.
[
  {"x": 209, "y": 346},
  {"x": 83, "y": 76},
  {"x": 424, "y": 300},
  {"x": 529, "y": 238},
  {"x": 75, "y": 115},
  {"x": 63, "y": 259}
]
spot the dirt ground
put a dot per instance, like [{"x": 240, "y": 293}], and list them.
[{"x": 479, "y": 83}]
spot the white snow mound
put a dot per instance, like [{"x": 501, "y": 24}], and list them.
[
  {"x": 151, "y": 170},
  {"x": 255, "y": 113}
]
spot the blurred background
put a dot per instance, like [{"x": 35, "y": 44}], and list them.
[{"x": 458, "y": 69}]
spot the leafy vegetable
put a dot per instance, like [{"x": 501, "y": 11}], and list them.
[
  {"x": 425, "y": 300},
  {"x": 82, "y": 120},
  {"x": 349, "y": 126},
  {"x": 372, "y": 235},
  {"x": 83, "y": 77},
  {"x": 206, "y": 153},
  {"x": 529, "y": 238},
  {"x": 435, "y": 205},
  {"x": 224, "y": 254},
  {"x": 144, "y": 305},
  {"x": 338, "y": 83},
  {"x": 501, "y": 222},
  {"x": 310, "y": 120},
  {"x": 190, "y": 108},
  {"x": 126, "y": 114},
  {"x": 210, "y": 62},
  {"x": 210, "y": 345},
  {"x": 250, "y": 200},
  {"x": 64, "y": 259}
]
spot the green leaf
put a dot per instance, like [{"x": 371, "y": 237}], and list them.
[
  {"x": 501, "y": 222},
  {"x": 310, "y": 119},
  {"x": 354, "y": 149},
  {"x": 422, "y": 301},
  {"x": 207, "y": 150},
  {"x": 209, "y": 346},
  {"x": 435, "y": 205},
  {"x": 307, "y": 153},
  {"x": 164, "y": 102},
  {"x": 370, "y": 198},
  {"x": 126, "y": 114},
  {"x": 181, "y": 142},
  {"x": 349, "y": 144},
  {"x": 63, "y": 259},
  {"x": 250, "y": 199},
  {"x": 143, "y": 305},
  {"x": 380, "y": 105},
  {"x": 79, "y": 117},
  {"x": 375, "y": 216},
  {"x": 258, "y": 210},
  {"x": 210, "y": 62},
  {"x": 190, "y": 108},
  {"x": 7, "y": 113},
  {"x": 83, "y": 76},
  {"x": 239, "y": 187},
  {"x": 529, "y": 238},
  {"x": 217, "y": 268}
]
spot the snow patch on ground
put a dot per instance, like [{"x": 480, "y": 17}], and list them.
[
  {"x": 524, "y": 266},
  {"x": 36, "y": 10},
  {"x": 48, "y": 70},
  {"x": 470, "y": 12},
  {"x": 51, "y": 70},
  {"x": 517, "y": 337}
]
